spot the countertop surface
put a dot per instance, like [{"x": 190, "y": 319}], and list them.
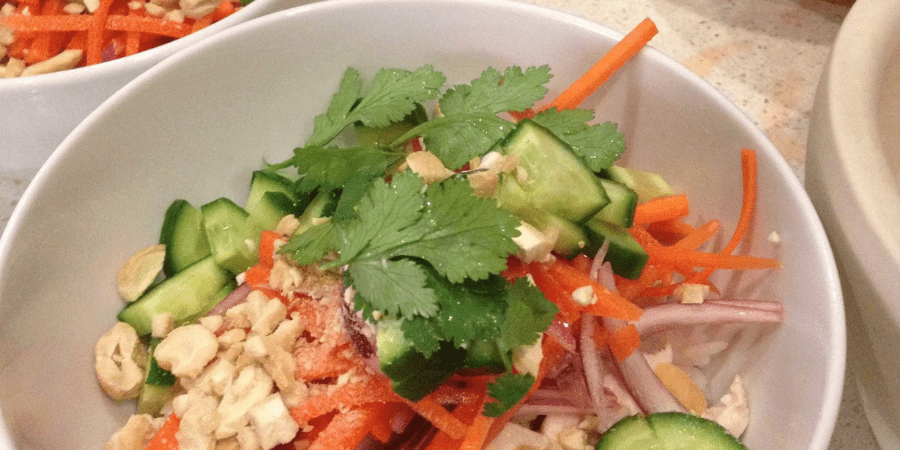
[{"x": 765, "y": 55}]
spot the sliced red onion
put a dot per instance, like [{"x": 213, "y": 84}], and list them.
[
  {"x": 362, "y": 334},
  {"x": 561, "y": 333},
  {"x": 762, "y": 305},
  {"x": 236, "y": 297},
  {"x": 672, "y": 315},
  {"x": 649, "y": 392},
  {"x": 608, "y": 410},
  {"x": 531, "y": 409}
]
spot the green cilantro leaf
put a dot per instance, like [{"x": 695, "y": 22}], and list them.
[
  {"x": 469, "y": 125},
  {"x": 458, "y": 138},
  {"x": 470, "y": 310},
  {"x": 329, "y": 168},
  {"x": 598, "y": 145},
  {"x": 392, "y": 95},
  {"x": 494, "y": 93},
  {"x": 508, "y": 390},
  {"x": 395, "y": 287},
  {"x": 463, "y": 236},
  {"x": 425, "y": 334},
  {"x": 313, "y": 244},
  {"x": 528, "y": 314}
]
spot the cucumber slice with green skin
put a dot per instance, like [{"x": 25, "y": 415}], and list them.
[
  {"x": 321, "y": 206},
  {"x": 412, "y": 374},
  {"x": 572, "y": 237},
  {"x": 226, "y": 229},
  {"x": 623, "y": 201},
  {"x": 483, "y": 356},
  {"x": 159, "y": 385},
  {"x": 667, "y": 431},
  {"x": 191, "y": 292},
  {"x": 625, "y": 254},
  {"x": 647, "y": 185},
  {"x": 271, "y": 198},
  {"x": 557, "y": 181},
  {"x": 157, "y": 375},
  {"x": 183, "y": 235},
  {"x": 384, "y": 136}
]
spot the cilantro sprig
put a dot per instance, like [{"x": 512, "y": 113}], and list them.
[{"x": 429, "y": 258}]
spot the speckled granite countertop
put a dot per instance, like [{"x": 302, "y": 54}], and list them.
[{"x": 765, "y": 55}]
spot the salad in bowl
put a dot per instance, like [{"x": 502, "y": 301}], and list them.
[{"x": 449, "y": 259}]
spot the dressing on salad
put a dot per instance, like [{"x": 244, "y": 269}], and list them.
[{"x": 459, "y": 281}]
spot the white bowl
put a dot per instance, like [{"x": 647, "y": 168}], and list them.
[
  {"x": 38, "y": 112},
  {"x": 853, "y": 170},
  {"x": 213, "y": 112}
]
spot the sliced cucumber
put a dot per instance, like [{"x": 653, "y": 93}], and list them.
[
  {"x": 625, "y": 254},
  {"x": 623, "y": 201},
  {"x": 183, "y": 235},
  {"x": 556, "y": 179},
  {"x": 271, "y": 198},
  {"x": 159, "y": 386},
  {"x": 384, "y": 136},
  {"x": 226, "y": 229},
  {"x": 321, "y": 206},
  {"x": 412, "y": 374},
  {"x": 188, "y": 293},
  {"x": 667, "y": 431},
  {"x": 572, "y": 238},
  {"x": 483, "y": 356},
  {"x": 648, "y": 185}
]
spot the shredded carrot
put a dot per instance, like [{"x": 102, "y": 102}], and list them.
[
  {"x": 699, "y": 236},
  {"x": 381, "y": 428},
  {"x": 661, "y": 208},
  {"x": 568, "y": 309},
  {"x": 258, "y": 275},
  {"x": 607, "y": 304},
  {"x": 349, "y": 395},
  {"x": 267, "y": 247},
  {"x": 477, "y": 434},
  {"x": 612, "y": 61},
  {"x": 442, "y": 419},
  {"x": 45, "y": 30},
  {"x": 165, "y": 437},
  {"x": 466, "y": 411},
  {"x": 623, "y": 342},
  {"x": 346, "y": 431},
  {"x": 668, "y": 232},
  {"x": 582, "y": 263}
]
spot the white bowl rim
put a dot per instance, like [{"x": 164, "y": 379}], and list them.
[
  {"x": 88, "y": 74},
  {"x": 851, "y": 85},
  {"x": 821, "y": 436}
]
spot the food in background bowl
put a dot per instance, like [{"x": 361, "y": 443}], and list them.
[
  {"x": 210, "y": 163},
  {"x": 38, "y": 37}
]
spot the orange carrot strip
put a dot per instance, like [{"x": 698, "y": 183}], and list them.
[
  {"x": 225, "y": 9},
  {"x": 381, "y": 429},
  {"x": 477, "y": 434},
  {"x": 669, "y": 232},
  {"x": 267, "y": 247},
  {"x": 78, "y": 41},
  {"x": 624, "y": 342},
  {"x": 378, "y": 390},
  {"x": 748, "y": 172},
  {"x": 624, "y": 50},
  {"x": 699, "y": 236},
  {"x": 165, "y": 437},
  {"x": 568, "y": 309},
  {"x": 346, "y": 431},
  {"x": 662, "y": 208},
  {"x": 94, "y": 52},
  {"x": 675, "y": 258},
  {"x": 257, "y": 276},
  {"x": 148, "y": 25},
  {"x": 133, "y": 38},
  {"x": 467, "y": 411},
  {"x": 46, "y": 23},
  {"x": 202, "y": 23},
  {"x": 608, "y": 304},
  {"x": 582, "y": 263},
  {"x": 442, "y": 419}
]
